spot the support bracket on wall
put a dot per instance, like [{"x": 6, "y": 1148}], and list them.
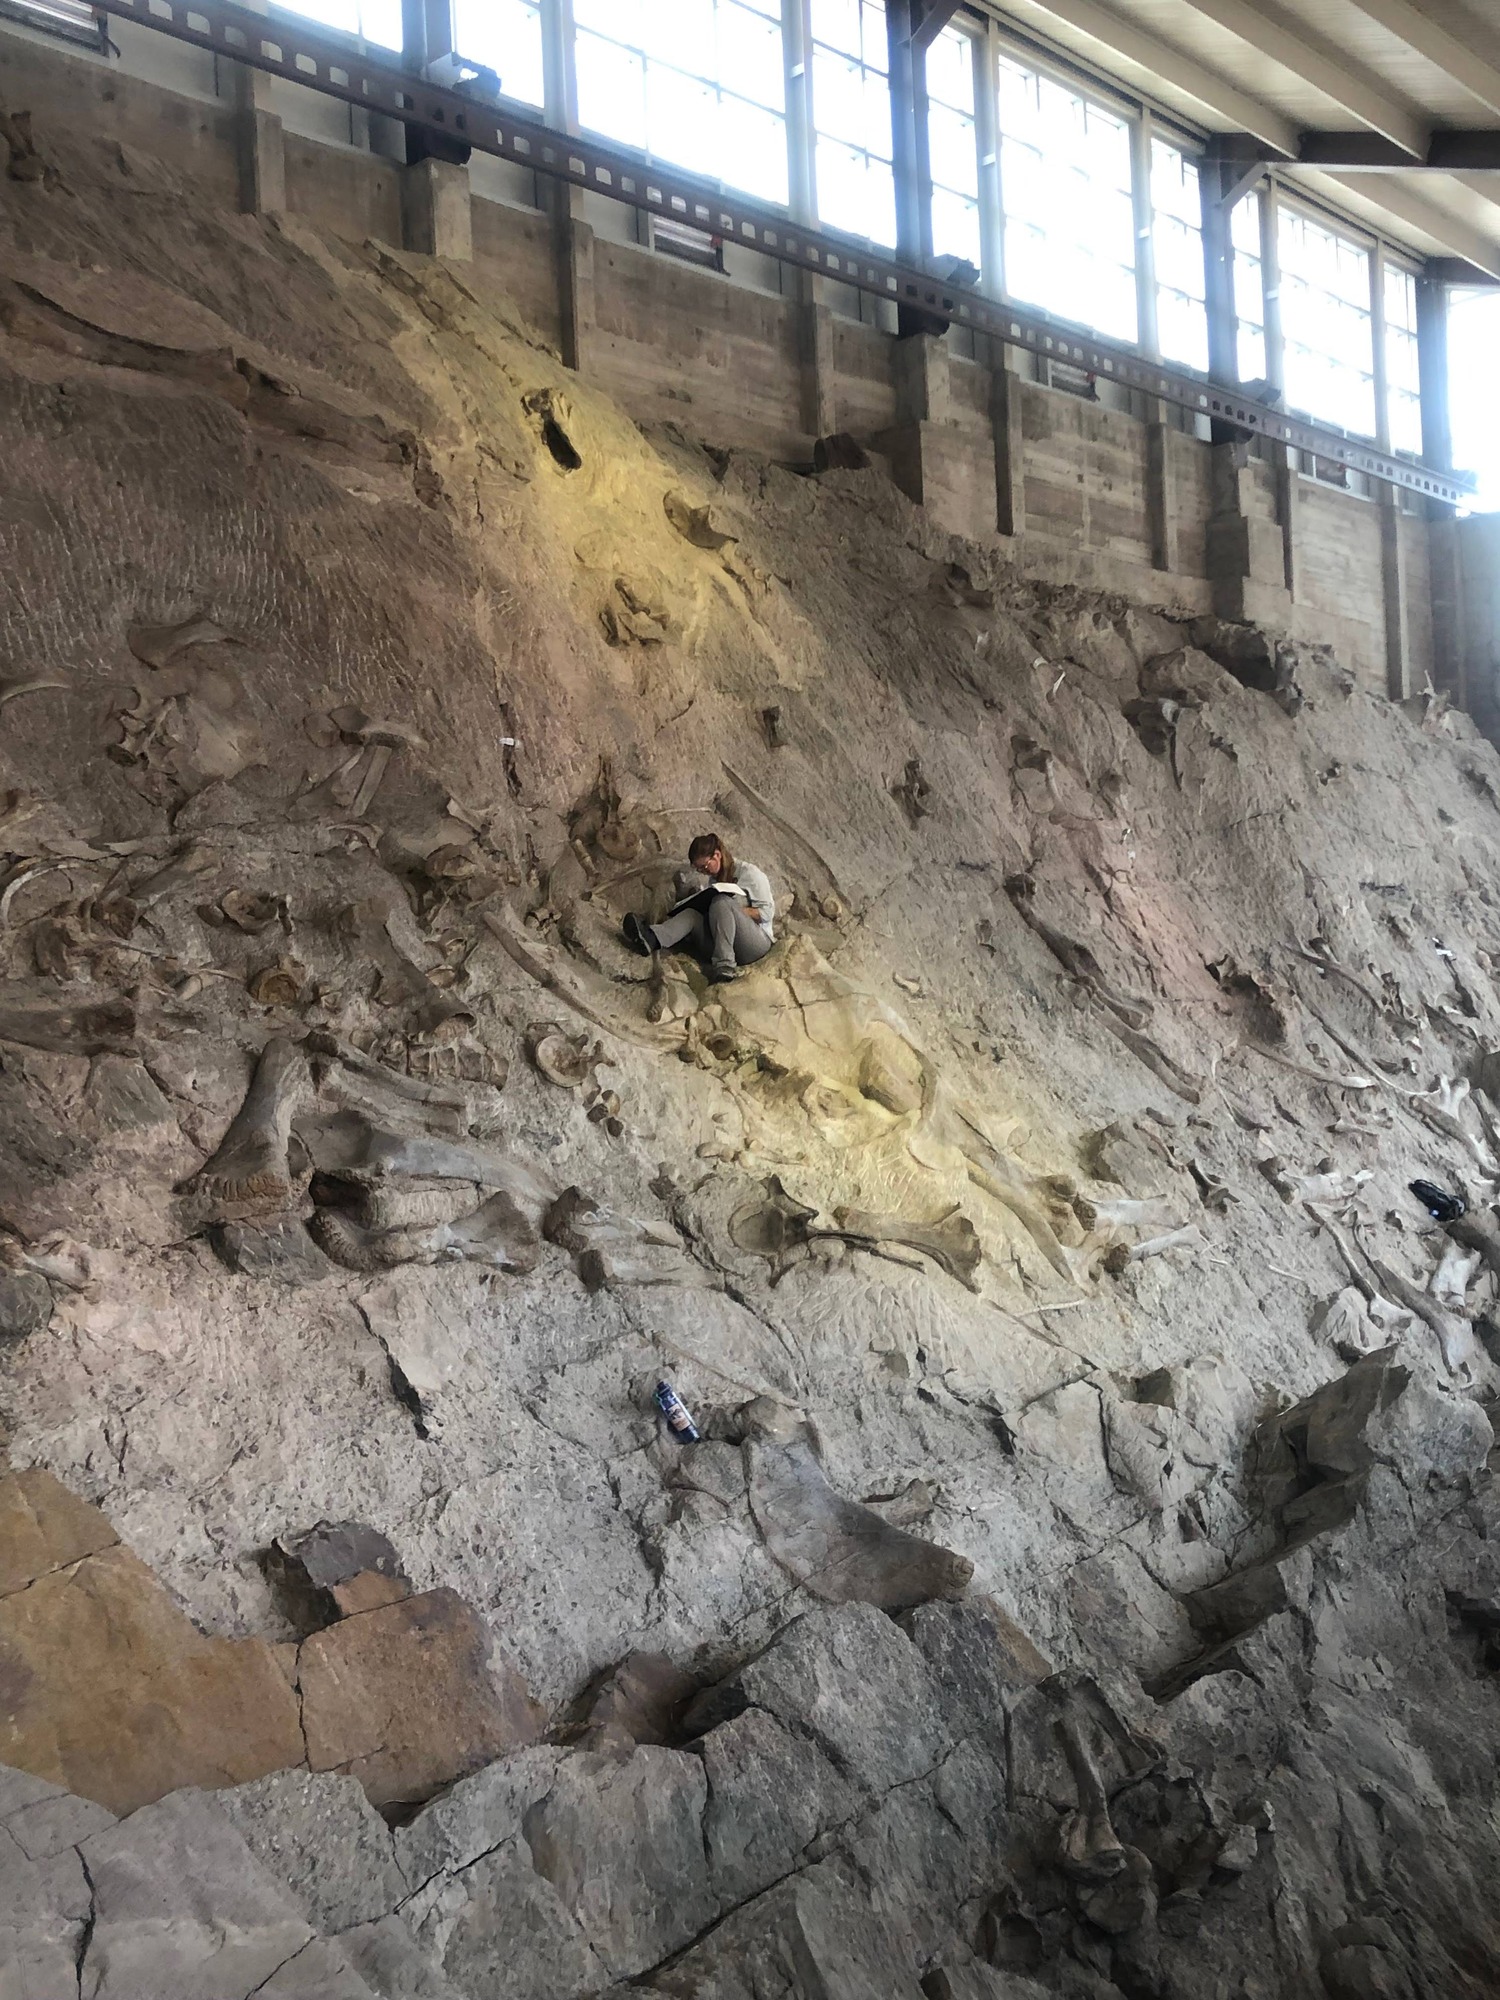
[
  {"x": 284, "y": 48},
  {"x": 929, "y": 18}
]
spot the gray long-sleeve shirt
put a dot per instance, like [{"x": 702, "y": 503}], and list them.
[{"x": 754, "y": 881}]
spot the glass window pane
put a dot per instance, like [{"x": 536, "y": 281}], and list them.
[
  {"x": 750, "y": 61},
  {"x": 839, "y": 97},
  {"x": 951, "y": 156},
  {"x": 1327, "y": 327},
  {"x": 506, "y": 36},
  {"x": 1068, "y": 211},
  {"x": 375, "y": 21},
  {"x": 752, "y": 150},
  {"x": 856, "y": 193},
  {"x": 950, "y": 71},
  {"x": 611, "y": 90},
  {"x": 697, "y": 82},
  {"x": 955, "y": 226}
]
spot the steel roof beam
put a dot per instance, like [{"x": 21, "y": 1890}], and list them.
[
  {"x": 1166, "y": 64},
  {"x": 1317, "y": 62},
  {"x": 1443, "y": 37}
]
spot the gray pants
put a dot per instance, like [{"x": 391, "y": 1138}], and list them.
[{"x": 725, "y": 937}]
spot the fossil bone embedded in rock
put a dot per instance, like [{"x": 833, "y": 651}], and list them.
[
  {"x": 837, "y": 1548},
  {"x": 249, "y": 1173},
  {"x": 566, "y": 1060}
]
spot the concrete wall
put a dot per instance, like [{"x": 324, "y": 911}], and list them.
[{"x": 1116, "y": 493}]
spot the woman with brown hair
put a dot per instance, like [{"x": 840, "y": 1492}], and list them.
[{"x": 723, "y": 913}]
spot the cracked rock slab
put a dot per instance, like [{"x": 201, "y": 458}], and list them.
[
  {"x": 502, "y": 1930},
  {"x": 852, "y": 1681},
  {"x": 815, "y": 1934},
  {"x": 622, "y": 1843},
  {"x": 836, "y": 1548},
  {"x": 406, "y": 1698},
  {"x": 114, "y": 1693},
  {"x": 182, "y": 1909},
  {"x": 770, "y": 1795},
  {"x": 319, "y": 1834}
]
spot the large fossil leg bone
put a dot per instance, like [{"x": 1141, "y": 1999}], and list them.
[
  {"x": 952, "y": 1242},
  {"x": 249, "y": 1174},
  {"x": 836, "y": 1548}
]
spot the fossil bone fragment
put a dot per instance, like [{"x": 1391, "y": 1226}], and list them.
[
  {"x": 92, "y": 1028},
  {"x": 159, "y": 645},
  {"x": 1153, "y": 1212},
  {"x": 566, "y": 1060},
  {"x": 1455, "y": 1336},
  {"x": 249, "y": 1174},
  {"x": 580, "y": 1224},
  {"x": 836, "y": 1548},
  {"x": 279, "y": 985},
  {"x": 609, "y": 1266},
  {"x": 401, "y": 1204},
  {"x": 351, "y": 1145},
  {"x": 1453, "y": 1274},
  {"x": 1188, "y": 1238},
  {"x": 252, "y": 909},
  {"x": 951, "y": 1242},
  {"x": 496, "y": 1234}
]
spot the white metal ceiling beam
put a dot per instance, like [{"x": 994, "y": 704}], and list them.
[
  {"x": 1318, "y": 63},
  {"x": 1442, "y": 37},
  {"x": 1172, "y": 66},
  {"x": 1397, "y": 200}
]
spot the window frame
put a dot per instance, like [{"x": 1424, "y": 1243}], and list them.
[
  {"x": 648, "y": 154},
  {"x": 62, "y": 26},
  {"x": 1112, "y": 103}
]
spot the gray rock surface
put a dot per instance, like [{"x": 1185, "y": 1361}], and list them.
[
  {"x": 1079, "y": 925},
  {"x": 318, "y": 1833},
  {"x": 182, "y": 1910}
]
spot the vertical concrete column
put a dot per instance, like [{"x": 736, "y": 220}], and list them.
[
  {"x": 574, "y": 245},
  {"x": 437, "y": 218},
  {"x": 1394, "y": 592},
  {"x": 1447, "y": 593},
  {"x": 1392, "y": 567},
  {"x": 820, "y": 415},
  {"x": 260, "y": 143},
  {"x": 1010, "y": 464},
  {"x": 919, "y": 367},
  {"x": 1161, "y": 491},
  {"x": 1245, "y": 547}
]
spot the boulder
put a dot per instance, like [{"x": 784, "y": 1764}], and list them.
[
  {"x": 182, "y": 1909},
  {"x": 405, "y": 1698},
  {"x": 319, "y": 1835},
  {"x": 622, "y": 1844}
]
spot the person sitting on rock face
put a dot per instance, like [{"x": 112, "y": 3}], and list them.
[{"x": 723, "y": 914}]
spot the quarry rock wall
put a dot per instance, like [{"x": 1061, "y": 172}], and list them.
[{"x": 1081, "y": 1581}]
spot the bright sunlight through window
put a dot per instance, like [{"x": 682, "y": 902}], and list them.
[
  {"x": 696, "y": 82},
  {"x": 1403, "y": 375},
  {"x": 952, "y": 153},
  {"x": 1069, "y": 219},
  {"x": 1249, "y": 290},
  {"x": 1326, "y": 323},
  {"x": 1473, "y": 342},
  {"x": 506, "y": 36},
  {"x": 1177, "y": 243},
  {"x": 375, "y": 21},
  {"x": 852, "y": 114}
]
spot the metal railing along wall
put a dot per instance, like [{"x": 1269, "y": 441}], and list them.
[{"x": 282, "y": 48}]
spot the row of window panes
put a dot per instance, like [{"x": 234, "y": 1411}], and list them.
[
  {"x": 1327, "y": 324},
  {"x": 702, "y": 83}
]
